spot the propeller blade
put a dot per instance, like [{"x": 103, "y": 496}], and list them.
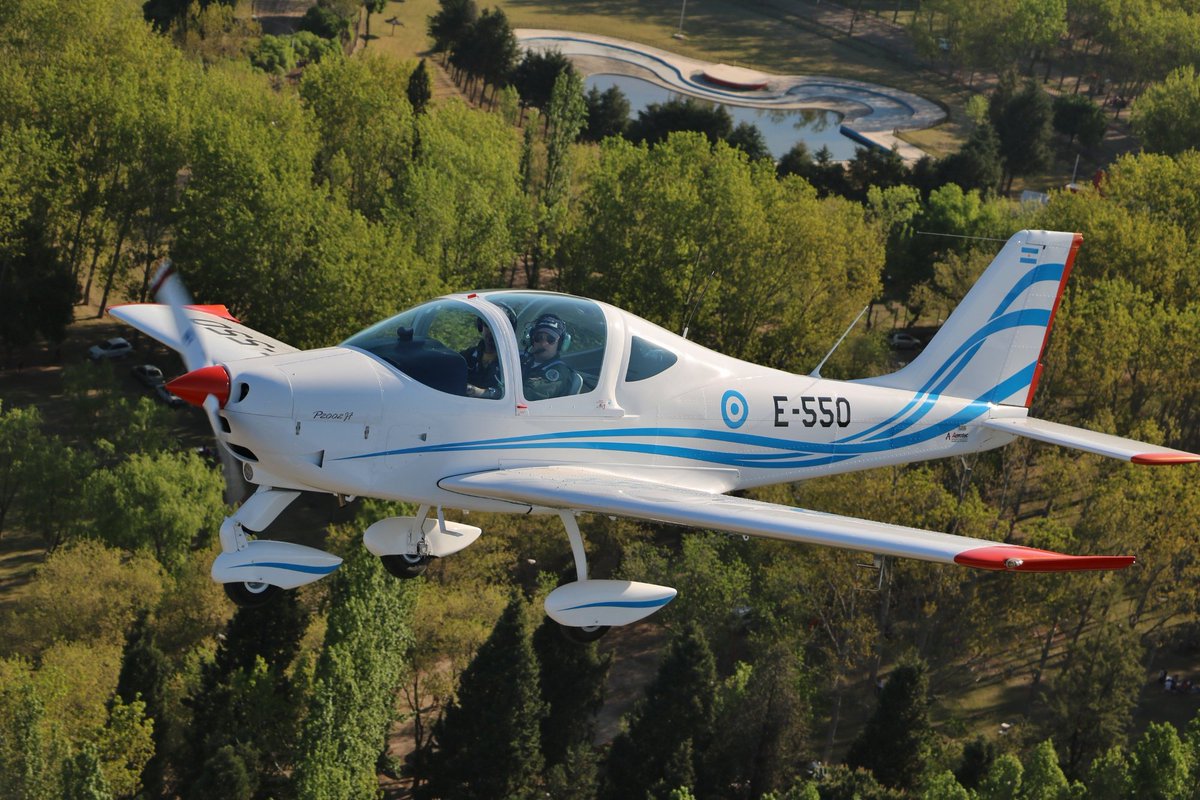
[
  {"x": 169, "y": 290},
  {"x": 206, "y": 384}
]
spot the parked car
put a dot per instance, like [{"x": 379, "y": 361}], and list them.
[
  {"x": 148, "y": 375},
  {"x": 164, "y": 394},
  {"x": 115, "y": 347},
  {"x": 899, "y": 340}
]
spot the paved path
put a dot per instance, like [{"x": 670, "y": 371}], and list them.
[{"x": 871, "y": 114}]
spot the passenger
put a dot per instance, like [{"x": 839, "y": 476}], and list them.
[
  {"x": 543, "y": 371},
  {"x": 485, "y": 378}
]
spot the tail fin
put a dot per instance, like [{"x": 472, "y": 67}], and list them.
[{"x": 991, "y": 347}]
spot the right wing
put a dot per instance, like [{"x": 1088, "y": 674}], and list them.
[
  {"x": 585, "y": 489},
  {"x": 223, "y": 337}
]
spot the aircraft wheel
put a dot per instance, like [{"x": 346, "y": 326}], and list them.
[
  {"x": 583, "y": 635},
  {"x": 404, "y": 566},
  {"x": 251, "y": 594}
]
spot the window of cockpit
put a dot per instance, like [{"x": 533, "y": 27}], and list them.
[
  {"x": 445, "y": 345},
  {"x": 581, "y": 336},
  {"x": 647, "y": 360}
]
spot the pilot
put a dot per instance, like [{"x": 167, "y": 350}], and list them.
[
  {"x": 485, "y": 378},
  {"x": 544, "y": 373}
]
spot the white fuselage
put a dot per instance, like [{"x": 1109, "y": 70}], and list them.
[{"x": 342, "y": 420}]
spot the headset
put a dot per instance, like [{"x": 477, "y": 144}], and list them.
[{"x": 552, "y": 322}]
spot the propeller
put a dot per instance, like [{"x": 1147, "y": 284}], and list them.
[{"x": 206, "y": 383}]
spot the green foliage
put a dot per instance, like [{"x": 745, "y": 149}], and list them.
[
  {"x": 1023, "y": 122},
  {"x": 366, "y": 130},
  {"x": 762, "y": 726},
  {"x": 450, "y": 24},
  {"x": 488, "y": 741},
  {"x": 657, "y": 121},
  {"x": 750, "y": 140},
  {"x": 1095, "y": 693},
  {"x": 781, "y": 262},
  {"x": 274, "y": 55},
  {"x": 1003, "y": 779},
  {"x": 84, "y": 592},
  {"x": 163, "y": 502},
  {"x": 1160, "y": 764},
  {"x": 351, "y": 704},
  {"x": 1167, "y": 116},
  {"x": 1077, "y": 115},
  {"x": 420, "y": 88},
  {"x": 607, "y": 113},
  {"x": 538, "y": 73},
  {"x": 894, "y": 744},
  {"x": 668, "y": 730},
  {"x": 83, "y": 778},
  {"x": 571, "y": 679}
]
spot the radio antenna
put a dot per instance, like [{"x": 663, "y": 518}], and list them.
[
  {"x": 816, "y": 373},
  {"x": 700, "y": 298}
]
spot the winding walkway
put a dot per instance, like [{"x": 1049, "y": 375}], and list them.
[{"x": 871, "y": 114}]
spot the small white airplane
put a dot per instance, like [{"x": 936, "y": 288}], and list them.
[{"x": 543, "y": 403}]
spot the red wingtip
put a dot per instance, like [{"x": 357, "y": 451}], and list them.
[
  {"x": 1015, "y": 558},
  {"x": 1158, "y": 459},
  {"x": 197, "y": 385},
  {"x": 216, "y": 310}
]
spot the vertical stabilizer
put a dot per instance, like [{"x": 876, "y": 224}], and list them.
[{"x": 990, "y": 349}]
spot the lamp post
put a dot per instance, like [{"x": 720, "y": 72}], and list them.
[{"x": 679, "y": 33}]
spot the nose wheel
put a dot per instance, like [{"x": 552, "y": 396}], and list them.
[
  {"x": 251, "y": 594},
  {"x": 586, "y": 635},
  {"x": 405, "y": 566}
]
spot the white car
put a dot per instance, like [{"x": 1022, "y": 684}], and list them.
[
  {"x": 899, "y": 340},
  {"x": 115, "y": 347}
]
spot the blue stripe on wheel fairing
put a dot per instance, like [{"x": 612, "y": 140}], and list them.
[
  {"x": 311, "y": 570},
  {"x": 623, "y": 604}
]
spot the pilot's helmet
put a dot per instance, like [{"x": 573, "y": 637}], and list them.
[{"x": 548, "y": 323}]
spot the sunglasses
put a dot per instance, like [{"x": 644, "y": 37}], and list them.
[{"x": 547, "y": 338}]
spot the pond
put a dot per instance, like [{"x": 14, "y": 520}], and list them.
[{"x": 781, "y": 128}]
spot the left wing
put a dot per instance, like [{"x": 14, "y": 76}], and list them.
[{"x": 585, "y": 489}]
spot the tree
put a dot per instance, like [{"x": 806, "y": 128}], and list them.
[
  {"x": 874, "y": 166},
  {"x": 143, "y": 678},
  {"x": 1043, "y": 779},
  {"x": 669, "y": 729},
  {"x": 976, "y": 165},
  {"x": 366, "y": 131},
  {"x": 763, "y": 727},
  {"x": 451, "y": 23},
  {"x": 162, "y": 502},
  {"x": 572, "y": 679},
  {"x": 489, "y": 740},
  {"x": 894, "y": 744},
  {"x": 607, "y": 113},
  {"x": 1095, "y": 693},
  {"x": 537, "y": 75},
  {"x": 1003, "y": 779},
  {"x": 1108, "y": 777},
  {"x": 245, "y": 709},
  {"x": 352, "y": 702},
  {"x": 1024, "y": 126},
  {"x": 657, "y": 120},
  {"x": 83, "y": 778},
  {"x": 1077, "y": 115},
  {"x": 1167, "y": 115},
  {"x": 420, "y": 88},
  {"x": 750, "y": 140},
  {"x": 1160, "y": 764}
]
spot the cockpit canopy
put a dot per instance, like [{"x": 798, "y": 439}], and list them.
[{"x": 448, "y": 344}]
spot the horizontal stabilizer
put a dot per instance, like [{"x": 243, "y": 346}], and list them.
[
  {"x": 584, "y": 489},
  {"x": 1092, "y": 442}
]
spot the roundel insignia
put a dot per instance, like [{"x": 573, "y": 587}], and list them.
[
  {"x": 551, "y": 374},
  {"x": 734, "y": 409}
]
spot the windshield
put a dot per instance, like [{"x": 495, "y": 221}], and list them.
[{"x": 444, "y": 344}]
